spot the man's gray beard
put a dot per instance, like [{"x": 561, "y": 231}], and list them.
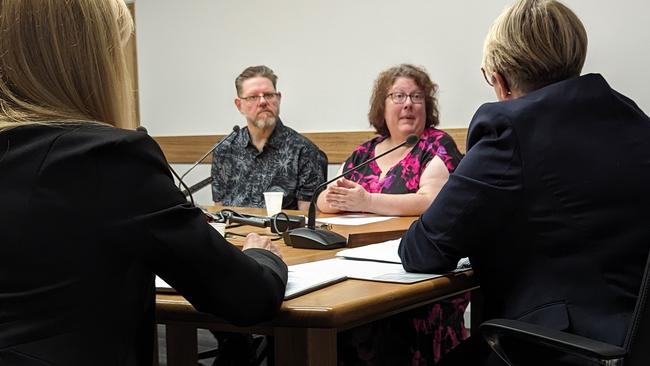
[{"x": 265, "y": 123}]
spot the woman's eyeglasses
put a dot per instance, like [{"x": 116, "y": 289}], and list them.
[
  {"x": 399, "y": 98},
  {"x": 486, "y": 78}
]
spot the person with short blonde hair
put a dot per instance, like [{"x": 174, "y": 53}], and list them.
[
  {"x": 90, "y": 213},
  {"x": 541, "y": 203},
  {"x": 534, "y": 44}
]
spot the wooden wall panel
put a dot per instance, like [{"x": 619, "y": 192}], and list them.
[
  {"x": 337, "y": 145},
  {"x": 460, "y": 136}
]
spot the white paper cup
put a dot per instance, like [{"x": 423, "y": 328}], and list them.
[
  {"x": 220, "y": 227},
  {"x": 273, "y": 201}
]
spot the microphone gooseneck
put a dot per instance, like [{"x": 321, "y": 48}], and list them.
[
  {"x": 235, "y": 129},
  {"x": 312, "y": 238},
  {"x": 410, "y": 141},
  {"x": 198, "y": 186}
]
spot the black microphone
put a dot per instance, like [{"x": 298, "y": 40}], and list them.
[
  {"x": 235, "y": 129},
  {"x": 311, "y": 238},
  {"x": 144, "y": 130},
  {"x": 279, "y": 223},
  {"x": 258, "y": 221}
]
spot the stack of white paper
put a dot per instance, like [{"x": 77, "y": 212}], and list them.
[{"x": 375, "y": 262}]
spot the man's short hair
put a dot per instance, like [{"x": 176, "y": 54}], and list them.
[{"x": 252, "y": 72}]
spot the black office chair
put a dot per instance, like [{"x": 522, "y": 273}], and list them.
[
  {"x": 634, "y": 352},
  {"x": 239, "y": 349}
]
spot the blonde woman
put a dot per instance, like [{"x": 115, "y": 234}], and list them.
[
  {"x": 89, "y": 210},
  {"x": 549, "y": 203}
]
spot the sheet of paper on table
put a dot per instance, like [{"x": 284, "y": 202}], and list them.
[
  {"x": 353, "y": 219},
  {"x": 374, "y": 262},
  {"x": 358, "y": 269},
  {"x": 383, "y": 252}
]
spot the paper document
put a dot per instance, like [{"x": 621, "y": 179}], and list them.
[
  {"x": 307, "y": 277},
  {"x": 302, "y": 282},
  {"x": 386, "y": 252},
  {"x": 383, "y": 252},
  {"x": 353, "y": 219},
  {"x": 361, "y": 270},
  {"x": 384, "y": 272},
  {"x": 161, "y": 285},
  {"x": 299, "y": 282}
]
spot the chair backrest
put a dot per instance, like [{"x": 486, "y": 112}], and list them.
[
  {"x": 637, "y": 341},
  {"x": 323, "y": 163}
]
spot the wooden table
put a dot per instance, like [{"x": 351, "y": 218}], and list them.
[
  {"x": 305, "y": 330},
  {"x": 358, "y": 235}
]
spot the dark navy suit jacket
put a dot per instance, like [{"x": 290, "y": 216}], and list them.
[
  {"x": 89, "y": 214},
  {"x": 550, "y": 205}
]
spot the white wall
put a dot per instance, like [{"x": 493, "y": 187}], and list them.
[{"x": 327, "y": 54}]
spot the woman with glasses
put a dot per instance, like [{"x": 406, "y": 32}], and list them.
[{"x": 403, "y": 182}]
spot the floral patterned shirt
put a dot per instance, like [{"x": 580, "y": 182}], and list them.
[
  {"x": 403, "y": 177},
  {"x": 289, "y": 163}
]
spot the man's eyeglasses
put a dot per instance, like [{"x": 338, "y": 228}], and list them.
[
  {"x": 399, "y": 98},
  {"x": 269, "y": 97},
  {"x": 486, "y": 78}
]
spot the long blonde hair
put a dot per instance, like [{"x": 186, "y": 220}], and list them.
[
  {"x": 535, "y": 43},
  {"x": 63, "y": 61}
]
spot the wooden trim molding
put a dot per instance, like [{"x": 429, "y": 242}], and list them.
[{"x": 337, "y": 145}]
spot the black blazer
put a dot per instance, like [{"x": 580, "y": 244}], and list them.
[
  {"x": 89, "y": 214},
  {"x": 550, "y": 205}
]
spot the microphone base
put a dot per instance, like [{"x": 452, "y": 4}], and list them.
[{"x": 306, "y": 238}]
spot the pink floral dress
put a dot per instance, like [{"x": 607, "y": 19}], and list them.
[
  {"x": 404, "y": 177},
  {"x": 419, "y": 336}
]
